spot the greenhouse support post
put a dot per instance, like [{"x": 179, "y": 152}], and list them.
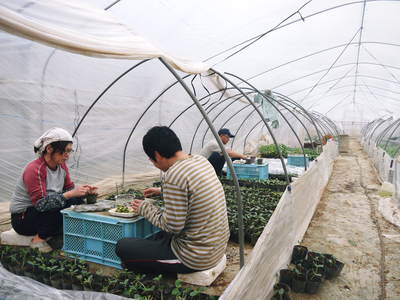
[{"x": 227, "y": 158}]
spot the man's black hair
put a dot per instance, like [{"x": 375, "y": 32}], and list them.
[{"x": 163, "y": 140}]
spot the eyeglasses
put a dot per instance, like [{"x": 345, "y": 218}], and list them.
[{"x": 68, "y": 152}]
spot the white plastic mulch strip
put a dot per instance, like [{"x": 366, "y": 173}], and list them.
[
  {"x": 15, "y": 287},
  {"x": 285, "y": 229}
]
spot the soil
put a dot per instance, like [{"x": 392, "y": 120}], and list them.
[{"x": 348, "y": 224}]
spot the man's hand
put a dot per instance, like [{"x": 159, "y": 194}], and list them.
[
  {"x": 153, "y": 191},
  {"x": 135, "y": 204}
]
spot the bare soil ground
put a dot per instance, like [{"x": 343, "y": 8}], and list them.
[{"x": 347, "y": 224}]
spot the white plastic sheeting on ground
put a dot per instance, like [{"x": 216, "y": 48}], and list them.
[
  {"x": 275, "y": 167},
  {"x": 397, "y": 181},
  {"x": 82, "y": 29},
  {"x": 285, "y": 229},
  {"x": 388, "y": 170},
  {"x": 15, "y": 287}
]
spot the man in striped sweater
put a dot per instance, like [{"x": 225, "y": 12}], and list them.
[{"x": 194, "y": 220}]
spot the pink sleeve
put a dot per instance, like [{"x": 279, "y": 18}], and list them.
[
  {"x": 34, "y": 178},
  {"x": 68, "y": 184}
]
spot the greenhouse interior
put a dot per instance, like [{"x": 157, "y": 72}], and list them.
[{"x": 251, "y": 154}]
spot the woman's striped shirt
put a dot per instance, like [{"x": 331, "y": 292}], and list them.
[{"x": 195, "y": 212}]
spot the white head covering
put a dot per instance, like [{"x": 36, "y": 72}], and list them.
[{"x": 54, "y": 134}]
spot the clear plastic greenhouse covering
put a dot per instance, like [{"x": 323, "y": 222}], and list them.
[
  {"x": 332, "y": 71},
  {"x": 14, "y": 287}
]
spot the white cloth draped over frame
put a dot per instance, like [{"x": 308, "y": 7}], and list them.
[{"x": 76, "y": 27}]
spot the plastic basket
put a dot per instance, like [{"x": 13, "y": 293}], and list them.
[
  {"x": 93, "y": 237},
  {"x": 297, "y": 160},
  {"x": 250, "y": 171}
]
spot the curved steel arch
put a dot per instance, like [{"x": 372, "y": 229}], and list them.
[
  {"x": 374, "y": 129},
  {"x": 395, "y": 128},
  {"x": 266, "y": 124},
  {"x": 227, "y": 158},
  {"x": 103, "y": 92},
  {"x": 284, "y": 106},
  {"x": 254, "y": 90},
  {"x": 245, "y": 139},
  {"x": 215, "y": 117},
  {"x": 283, "y": 116},
  {"x": 137, "y": 123},
  {"x": 384, "y": 132},
  {"x": 303, "y": 110}
]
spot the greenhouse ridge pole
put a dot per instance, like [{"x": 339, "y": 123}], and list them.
[
  {"x": 226, "y": 156},
  {"x": 137, "y": 123}
]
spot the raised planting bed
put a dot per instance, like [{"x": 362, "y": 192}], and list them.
[
  {"x": 258, "y": 206},
  {"x": 275, "y": 185},
  {"x": 312, "y": 154}
]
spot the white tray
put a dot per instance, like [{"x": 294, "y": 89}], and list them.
[{"x": 120, "y": 214}]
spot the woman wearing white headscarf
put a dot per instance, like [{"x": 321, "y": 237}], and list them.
[{"x": 44, "y": 188}]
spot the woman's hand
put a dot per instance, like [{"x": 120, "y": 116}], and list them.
[
  {"x": 91, "y": 189},
  {"x": 78, "y": 191},
  {"x": 153, "y": 191}
]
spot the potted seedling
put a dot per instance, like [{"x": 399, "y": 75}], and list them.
[
  {"x": 299, "y": 253},
  {"x": 91, "y": 198},
  {"x": 286, "y": 276},
  {"x": 77, "y": 281},
  {"x": 30, "y": 269},
  {"x": 281, "y": 291},
  {"x": 314, "y": 258},
  {"x": 333, "y": 267},
  {"x": 314, "y": 280},
  {"x": 67, "y": 280},
  {"x": 87, "y": 280},
  {"x": 56, "y": 274},
  {"x": 299, "y": 279}
]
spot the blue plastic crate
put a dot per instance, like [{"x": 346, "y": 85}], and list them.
[
  {"x": 250, "y": 171},
  {"x": 93, "y": 236},
  {"x": 297, "y": 160}
]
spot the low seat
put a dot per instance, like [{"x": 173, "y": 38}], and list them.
[
  {"x": 206, "y": 277},
  {"x": 10, "y": 237}
]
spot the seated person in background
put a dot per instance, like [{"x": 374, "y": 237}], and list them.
[
  {"x": 213, "y": 153},
  {"x": 44, "y": 188},
  {"x": 194, "y": 220}
]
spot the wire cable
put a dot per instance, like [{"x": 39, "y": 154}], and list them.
[
  {"x": 359, "y": 47},
  {"x": 257, "y": 38},
  {"x": 326, "y": 73}
]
